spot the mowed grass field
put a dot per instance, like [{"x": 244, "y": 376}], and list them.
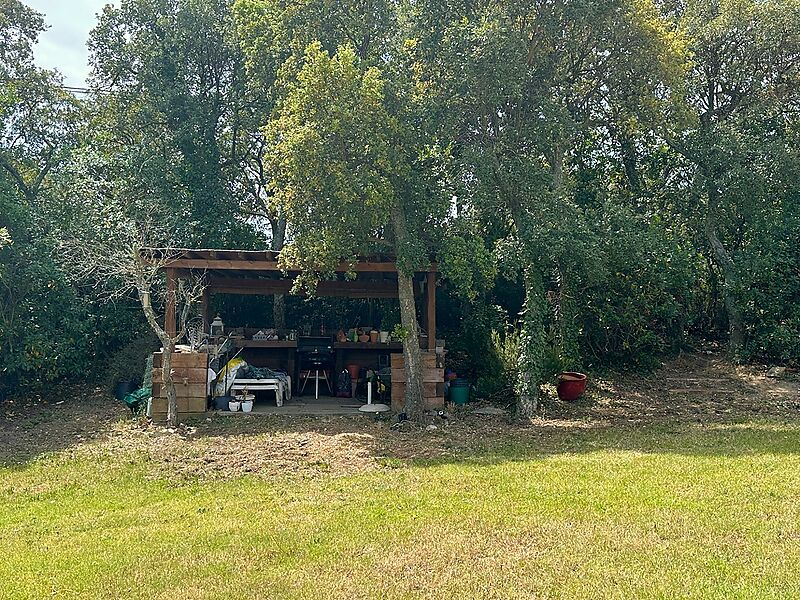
[{"x": 656, "y": 511}]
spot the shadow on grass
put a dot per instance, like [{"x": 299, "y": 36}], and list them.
[{"x": 628, "y": 413}]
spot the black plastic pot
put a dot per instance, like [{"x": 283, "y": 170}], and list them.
[{"x": 221, "y": 402}]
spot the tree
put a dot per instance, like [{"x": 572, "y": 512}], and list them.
[
  {"x": 38, "y": 119},
  {"x": 741, "y": 94},
  {"x": 344, "y": 170},
  {"x": 517, "y": 84},
  {"x": 38, "y": 125},
  {"x": 275, "y": 35},
  {"x": 172, "y": 111},
  {"x": 120, "y": 247}
]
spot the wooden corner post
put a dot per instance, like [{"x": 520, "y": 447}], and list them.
[
  {"x": 204, "y": 300},
  {"x": 169, "y": 305},
  {"x": 431, "y": 309}
]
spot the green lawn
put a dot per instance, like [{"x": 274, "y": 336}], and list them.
[{"x": 658, "y": 512}]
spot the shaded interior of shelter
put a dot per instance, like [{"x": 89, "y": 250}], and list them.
[{"x": 358, "y": 295}]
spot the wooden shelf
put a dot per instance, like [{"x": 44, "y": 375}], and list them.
[
  {"x": 239, "y": 343},
  {"x": 367, "y": 346}
]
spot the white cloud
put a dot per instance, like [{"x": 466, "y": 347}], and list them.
[{"x": 63, "y": 45}]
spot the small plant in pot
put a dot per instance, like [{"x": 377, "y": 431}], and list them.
[
  {"x": 246, "y": 399},
  {"x": 234, "y": 405}
]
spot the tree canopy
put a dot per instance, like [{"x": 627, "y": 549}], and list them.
[{"x": 600, "y": 183}]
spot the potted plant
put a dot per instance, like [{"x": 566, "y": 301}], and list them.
[
  {"x": 373, "y": 336},
  {"x": 383, "y": 333},
  {"x": 247, "y": 400},
  {"x": 234, "y": 405}
]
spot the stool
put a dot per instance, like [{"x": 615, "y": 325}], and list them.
[{"x": 317, "y": 364}]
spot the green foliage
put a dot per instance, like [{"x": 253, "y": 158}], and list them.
[
  {"x": 174, "y": 122},
  {"x": 770, "y": 266},
  {"x": 499, "y": 366},
  {"x": 636, "y": 306},
  {"x": 599, "y": 178},
  {"x": 127, "y": 363},
  {"x": 333, "y": 161}
]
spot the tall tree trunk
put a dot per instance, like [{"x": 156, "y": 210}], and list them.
[
  {"x": 414, "y": 400},
  {"x": 168, "y": 346},
  {"x": 169, "y": 383},
  {"x": 727, "y": 269},
  {"x": 532, "y": 342}
]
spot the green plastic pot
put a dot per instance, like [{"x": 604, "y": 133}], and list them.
[{"x": 459, "y": 391}]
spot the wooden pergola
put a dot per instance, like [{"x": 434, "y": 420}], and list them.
[{"x": 257, "y": 272}]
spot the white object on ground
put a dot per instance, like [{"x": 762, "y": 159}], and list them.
[{"x": 369, "y": 406}]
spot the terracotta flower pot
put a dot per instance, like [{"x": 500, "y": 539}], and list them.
[
  {"x": 373, "y": 336},
  {"x": 571, "y": 385}
]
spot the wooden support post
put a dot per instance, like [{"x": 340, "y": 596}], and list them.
[
  {"x": 169, "y": 307},
  {"x": 204, "y": 311},
  {"x": 431, "y": 310}
]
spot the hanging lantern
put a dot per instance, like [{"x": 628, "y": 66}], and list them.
[{"x": 217, "y": 326}]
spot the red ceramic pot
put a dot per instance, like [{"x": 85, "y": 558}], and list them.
[{"x": 571, "y": 385}]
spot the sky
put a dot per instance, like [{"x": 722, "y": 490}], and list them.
[{"x": 63, "y": 45}]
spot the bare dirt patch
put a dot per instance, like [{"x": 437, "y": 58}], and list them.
[{"x": 696, "y": 388}]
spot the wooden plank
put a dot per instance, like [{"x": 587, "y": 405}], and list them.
[
  {"x": 435, "y": 403},
  {"x": 182, "y": 375},
  {"x": 431, "y": 310},
  {"x": 429, "y": 360},
  {"x": 429, "y": 402},
  {"x": 239, "y": 343},
  {"x": 182, "y": 390},
  {"x": 200, "y": 258},
  {"x": 259, "y": 264},
  {"x": 204, "y": 311},
  {"x": 169, "y": 308},
  {"x": 185, "y": 405},
  {"x": 347, "y": 289},
  {"x": 183, "y": 359},
  {"x": 369, "y": 346},
  {"x": 428, "y": 375},
  {"x": 429, "y": 389}
]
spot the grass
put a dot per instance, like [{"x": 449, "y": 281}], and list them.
[{"x": 653, "y": 512}]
